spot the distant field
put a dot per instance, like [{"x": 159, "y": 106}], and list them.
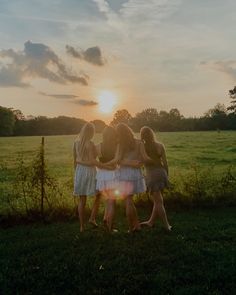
[
  {"x": 212, "y": 150},
  {"x": 183, "y": 149}
]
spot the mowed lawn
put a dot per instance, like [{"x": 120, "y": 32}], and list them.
[{"x": 197, "y": 257}]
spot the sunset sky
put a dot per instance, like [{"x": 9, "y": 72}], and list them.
[{"x": 89, "y": 58}]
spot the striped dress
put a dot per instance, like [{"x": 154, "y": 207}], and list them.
[
  {"x": 156, "y": 175},
  {"x": 131, "y": 180}
]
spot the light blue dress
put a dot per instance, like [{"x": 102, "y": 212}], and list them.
[{"x": 84, "y": 178}]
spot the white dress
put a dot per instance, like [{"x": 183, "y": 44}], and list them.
[{"x": 106, "y": 179}]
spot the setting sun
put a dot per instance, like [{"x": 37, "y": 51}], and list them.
[{"x": 107, "y": 100}]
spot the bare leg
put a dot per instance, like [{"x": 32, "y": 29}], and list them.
[
  {"x": 95, "y": 208},
  {"x": 81, "y": 210},
  {"x": 131, "y": 214},
  {"x": 110, "y": 213},
  {"x": 158, "y": 210},
  {"x": 105, "y": 214}
]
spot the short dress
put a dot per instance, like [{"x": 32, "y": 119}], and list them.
[
  {"x": 105, "y": 179},
  {"x": 84, "y": 178},
  {"x": 156, "y": 175},
  {"x": 131, "y": 180}
]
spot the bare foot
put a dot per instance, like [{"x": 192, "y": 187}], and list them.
[
  {"x": 93, "y": 223},
  {"x": 146, "y": 223},
  {"x": 81, "y": 229},
  {"x": 169, "y": 228},
  {"x": 134, "y": 230}
]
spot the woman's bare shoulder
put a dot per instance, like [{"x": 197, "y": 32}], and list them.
[{"x": 160, "y": 147}]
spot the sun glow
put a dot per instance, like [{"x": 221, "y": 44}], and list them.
[{"x": 106, "y": 100}]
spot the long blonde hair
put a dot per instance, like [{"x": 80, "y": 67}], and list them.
[{"x": 86, "y": 134}]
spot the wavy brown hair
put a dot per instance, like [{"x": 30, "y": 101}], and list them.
[
  {"x": 147, "y": 135},
  {"x": 126, "y": 138},
  {"x": 109, "y": 142}
]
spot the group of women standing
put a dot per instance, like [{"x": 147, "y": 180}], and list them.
[{"x": 113, "y": 169}]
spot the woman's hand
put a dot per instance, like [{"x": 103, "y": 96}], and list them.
[{"x": 132, "y": 163}]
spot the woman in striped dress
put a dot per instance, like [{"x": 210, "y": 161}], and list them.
[
  {"x": 130, "y": 156},
  {"x": 156, "y": 176}
]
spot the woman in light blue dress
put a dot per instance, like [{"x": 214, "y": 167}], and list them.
[{"x": 85, "y": 176}]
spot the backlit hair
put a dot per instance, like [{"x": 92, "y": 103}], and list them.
[
  {"x": 147, "y": 135},
  {"x": 126, "y": 138},
  {"x": 86, "y": 134}
]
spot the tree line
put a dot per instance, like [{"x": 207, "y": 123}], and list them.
[{"x": 13, "y": 122}]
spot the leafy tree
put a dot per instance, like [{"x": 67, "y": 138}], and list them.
[
  {"x": 147, "y": 117},
  {"x": 232, "y": 94},
  {"x": 18, "y": 114},
  {"x": 7, "y": 121},
  {"x": 121, "y": 116},
  {"x": 218, "y": 110},
  {"x": 175, "y": 113},
  {"x": 216, "y": 118}
]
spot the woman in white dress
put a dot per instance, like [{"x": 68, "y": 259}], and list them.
[{"x": 106, "y": 174}]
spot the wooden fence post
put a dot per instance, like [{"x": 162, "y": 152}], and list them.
[{"x": 42, "y": 177}]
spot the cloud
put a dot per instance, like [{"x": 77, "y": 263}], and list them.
[
  {"x": 11, "y": 76},
  {"x": 84, "y": 102},
  {"x": 228, "y": 67},
  {"x": 36, "y": 61},
  {"x": 59, "y": 96},
  {"x": 92, "y": 55},
  {"x": 71, "y": 98}
]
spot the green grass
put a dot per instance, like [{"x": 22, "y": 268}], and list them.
[
  {"x": 183, "y": 148},
  {"x": 212, "y": 151},
  {"x": 198, "y": 257}
]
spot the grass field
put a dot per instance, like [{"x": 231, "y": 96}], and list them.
[
  {"x": 198, "y": 257},
  {"x": 215, "y": 152},
  {"x": 183, "y": 148}
]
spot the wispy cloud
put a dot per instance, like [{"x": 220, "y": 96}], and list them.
[
  {"x": 71, "y": 98},
  {"x": 228, "y": 67},
  {"x": 149, "y": 11},
  {"x": 59, "y": 96},
  {"x": 92, "y": 55},
  {"x": 84, "y": 102},
  {"x": 36, "y": 61}
]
